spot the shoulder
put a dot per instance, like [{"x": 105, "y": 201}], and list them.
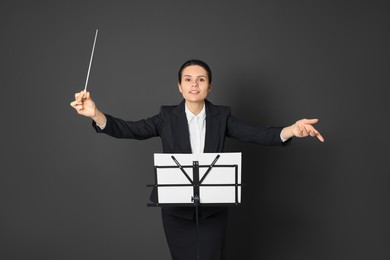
[
  {"x": 217, "y": 109},
  {"x": 174, "y": 110}
]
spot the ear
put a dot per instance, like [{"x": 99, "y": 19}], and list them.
[
  {"x": 210, "y": 87},
  {"x": 178, "y": 84}
]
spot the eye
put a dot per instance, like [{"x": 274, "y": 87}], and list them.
[
  {"x": 187, "y": 79},
  {"x": 202, "y": 79}
]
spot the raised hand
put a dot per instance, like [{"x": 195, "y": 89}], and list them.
[
  {"x": 302, "y": 128},
  {"x": 83, "y": 104}
]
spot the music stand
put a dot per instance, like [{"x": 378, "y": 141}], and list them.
[{"x": 211, "y": 179}]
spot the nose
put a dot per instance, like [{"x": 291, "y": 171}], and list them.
[{"x": 195, "y": 83}]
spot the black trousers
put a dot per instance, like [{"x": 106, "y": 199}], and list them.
[{"x": 182, "y": 240}]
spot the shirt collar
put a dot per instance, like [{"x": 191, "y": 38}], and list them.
[{"x": 190, "y": 115}]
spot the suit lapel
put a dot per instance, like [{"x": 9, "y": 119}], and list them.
[
  {"x": 213, "y": 123},
  {"x": 181, "y": 135}
]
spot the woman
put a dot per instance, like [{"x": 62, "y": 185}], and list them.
[{"x": 193, "y": 126}]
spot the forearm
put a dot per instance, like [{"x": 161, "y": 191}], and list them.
[
  {"x": 99, "y": 118},
  {"x": 287, "y": 132},
  {"x": 253, "y": 134}
]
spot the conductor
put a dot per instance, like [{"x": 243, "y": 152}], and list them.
[{"x": 193, "y": 126}]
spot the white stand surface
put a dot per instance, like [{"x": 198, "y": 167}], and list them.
[{"x": 222, "y": 185}]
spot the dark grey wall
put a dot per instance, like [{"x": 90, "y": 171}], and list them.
[{"x": 68, "y": 193}]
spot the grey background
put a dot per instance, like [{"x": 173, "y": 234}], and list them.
[{"x": 68, "y": 193}]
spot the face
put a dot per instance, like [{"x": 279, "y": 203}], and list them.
[{"x": 194, "y": 84}]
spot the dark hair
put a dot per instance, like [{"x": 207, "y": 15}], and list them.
[{"x": 198, "y": 63}]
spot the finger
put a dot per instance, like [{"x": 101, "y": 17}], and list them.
[
  {"x": 313, "y": 132},
  {"x": 309, "y": 121},
  {"x": 302, "y": 131},
  {"x": 300, "y": 128},
  {"x": 297, "y": 131},
  {"x": 84, "y": 93},
  {"x": 306, "y": 129},
  {"x": 309, "y": 129},
  {"x": 79, "y": 96},
  {"x": 75, "y": 103},
  {"x": 79, "y": 107},
  {"x": 320, "y": 137}
]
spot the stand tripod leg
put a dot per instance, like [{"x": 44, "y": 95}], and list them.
[{"x": 196, "y": 202}]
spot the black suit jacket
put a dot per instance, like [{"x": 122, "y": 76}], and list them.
[{"x": 172, "y": 127}]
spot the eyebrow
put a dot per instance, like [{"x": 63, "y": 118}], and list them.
[{"x": 197, "y": 76}]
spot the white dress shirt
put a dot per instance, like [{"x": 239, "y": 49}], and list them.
[{"x": 197, "y": 129}]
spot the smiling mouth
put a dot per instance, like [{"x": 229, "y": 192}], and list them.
[{"x": 194, "y": 92}]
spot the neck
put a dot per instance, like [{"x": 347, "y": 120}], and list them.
[{"x": 195, "y": 107}]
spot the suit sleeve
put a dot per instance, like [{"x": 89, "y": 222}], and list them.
[
  {"x": 140, "y": 130},
  {"x": 254, "y": 134}
]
